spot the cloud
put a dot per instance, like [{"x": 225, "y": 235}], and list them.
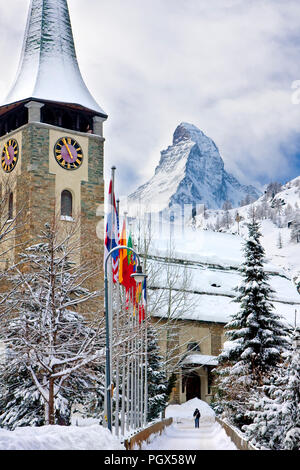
[{"x": 225, "y": 66}]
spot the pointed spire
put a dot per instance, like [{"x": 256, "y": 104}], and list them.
[{"x": 48, "y": 68}]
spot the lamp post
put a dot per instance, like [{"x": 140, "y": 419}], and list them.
[{"x": 139, "y": 277}]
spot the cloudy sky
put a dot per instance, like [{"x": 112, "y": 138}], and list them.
[{"x": 227, "y": 66}]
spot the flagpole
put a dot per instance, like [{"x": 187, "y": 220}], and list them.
[
  {"x": 128, "y": 382},
  {"x": 110, "y": 280},
  {"x": 136, "y": 371},
  {"x": 146, "y": 365},
  {"x": 132, "y": 373},
  {"x": 118, "y": 349},
  {"x": 139, "y": 275}
]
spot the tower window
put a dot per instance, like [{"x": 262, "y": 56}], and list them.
[
  {"x": 66, "y": 204},
  {"x": 10, "y": 214},
  {"x": 193, "y": 346}
]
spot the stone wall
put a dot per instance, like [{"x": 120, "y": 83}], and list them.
[{"x": 39, "y": 181}]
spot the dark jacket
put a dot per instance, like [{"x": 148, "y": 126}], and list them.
[{"x": 197, "y": 413}]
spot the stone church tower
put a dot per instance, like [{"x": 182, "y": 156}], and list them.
[{"x": 51, "y": 129}]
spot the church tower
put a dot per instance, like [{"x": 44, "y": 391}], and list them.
[{"x": 51, "y": 129}]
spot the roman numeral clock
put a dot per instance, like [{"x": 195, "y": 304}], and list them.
[{"x": 68, "y": 153}]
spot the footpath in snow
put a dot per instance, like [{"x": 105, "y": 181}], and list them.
[{"x": 182, "y": 435}]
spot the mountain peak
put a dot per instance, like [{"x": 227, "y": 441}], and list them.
[
  {"x": 186, "y": 131},
  {"x": 190, "y": 172}
]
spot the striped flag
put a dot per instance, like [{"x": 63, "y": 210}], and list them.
[{"x": 112, "y": 233}]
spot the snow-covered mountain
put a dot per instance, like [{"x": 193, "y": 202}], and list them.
[
  {"x": 191, "y": 171},
  {"x": 278, "y": 212}
]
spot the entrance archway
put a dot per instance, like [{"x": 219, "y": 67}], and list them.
[{"x": 193, "y": 386}]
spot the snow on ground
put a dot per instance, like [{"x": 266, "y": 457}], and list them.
[
  {"x": 182, "y": 435},
  {"x": 93, "y": 437}
]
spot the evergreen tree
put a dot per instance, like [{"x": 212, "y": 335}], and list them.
[
  {"x": 275, "y": 409},
  {"x": 279, "y": 241},
  {"x": 256, "y": 334},
  {"x": 157, "y": 380},
  {"x": 20, "y": 402},
  {"x": 290, "y": 399},
  {"x": 295, "y": 233}
]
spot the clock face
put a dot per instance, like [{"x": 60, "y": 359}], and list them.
[
  {"x": 10, "y": 155},
  {"x": 68, "y": 153}
]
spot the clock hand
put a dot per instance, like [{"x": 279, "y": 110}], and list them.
[
  {"x": 65, "y": 142},
  {"x": 6, "y": 151},
  {"x": 7, "y": 155}
]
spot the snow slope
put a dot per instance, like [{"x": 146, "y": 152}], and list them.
[
  {"x": 273, "y": 224},
  {"x": 182, "y": 435},
  {"x": 93, "y": 437},
  {"x": 190, "y": 171}
]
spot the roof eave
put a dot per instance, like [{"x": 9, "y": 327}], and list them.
[{"x": 5, "y": 108}]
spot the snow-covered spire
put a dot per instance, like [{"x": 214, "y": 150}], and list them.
[{"x": 48, "y": 68}]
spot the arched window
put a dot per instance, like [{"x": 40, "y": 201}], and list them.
[
  {"x": 10, "y": 214},
  {"x": 66, "y": 204}
]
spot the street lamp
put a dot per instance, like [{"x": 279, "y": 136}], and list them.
[{"x": 139, "y": 277}]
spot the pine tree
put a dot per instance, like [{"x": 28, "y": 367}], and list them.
[
  {"x": 157, "y": 380},
  {"x": 52, "y": 349},
  {"x": 290, "y": 399},
  {"x": 295, "y": 233},
  {"x": 279, "y": 241},
  {"x": 20, "y": 403},
  {"x": 275, "y": 409},
  {"x": 256, "y": 334}
]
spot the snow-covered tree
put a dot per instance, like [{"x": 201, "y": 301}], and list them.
[
  {"x": 157, "y": 379},
  {"x": 275, "y": 408},
  {"x": 255, "y": 333},
  {"x": 295, "y": 232},
  {"x": 52, "y": 339},
  {"x": 273, "y": 188},
  {"x": 279, "y": 241}
]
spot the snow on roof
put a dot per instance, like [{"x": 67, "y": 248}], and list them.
[
  {"x": 211, "y": 261},
  {"x": 201, "y": 359},
  {"x": 220, "y": 309},
  {"x": 48, "y": 68}
]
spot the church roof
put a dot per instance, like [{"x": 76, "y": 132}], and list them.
[{"x": 48, "y": 68}]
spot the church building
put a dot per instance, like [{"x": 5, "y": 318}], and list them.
[{"x": 51, "y": 130}]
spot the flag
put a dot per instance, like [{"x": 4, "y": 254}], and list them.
[
  {"x": 131, "y": 261},
  {"x": 112, "y": 233},
  {"x": 142, "y": 310},
  {"x": 123, "y": 256},
  {"x": 141, "y": 300},
  {"x": 127, "y": 265}
]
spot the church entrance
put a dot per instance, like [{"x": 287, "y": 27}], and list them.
[{"x": 193, "y": 386}]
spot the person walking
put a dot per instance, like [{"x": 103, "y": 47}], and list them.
[{"x": 197, "y": 415}]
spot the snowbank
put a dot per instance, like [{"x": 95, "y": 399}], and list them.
[
  {"x": 186, "y": 410},
  {"x": 93, "y": 437}
]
